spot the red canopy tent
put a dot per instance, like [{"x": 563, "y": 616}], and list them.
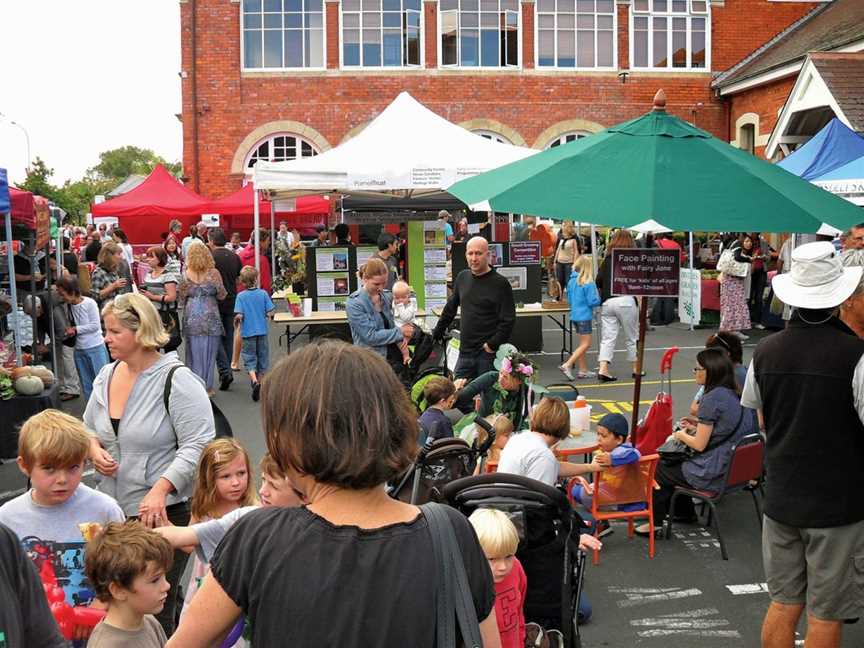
[
  {"x": 237, "y": 212},
  {"x": 23, "y": 207},
  {"x": 144, "y": 212}
]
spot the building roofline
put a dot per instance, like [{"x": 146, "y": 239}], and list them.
[{"x": 721, "y": 79}]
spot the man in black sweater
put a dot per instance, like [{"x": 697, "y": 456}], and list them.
[
  {"x": 807, "y": 382},
  {"x": 488, "y": 311}
]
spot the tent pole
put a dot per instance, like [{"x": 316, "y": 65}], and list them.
[
  {"x": 273, "y": 261},
  {"x": 692, "y": 284},
  {"x": 257, "y": 222},
  {"x": 640, "y": 356},
  {"x": 13, "y": 289},
  {"x": 594, "y": 267}
]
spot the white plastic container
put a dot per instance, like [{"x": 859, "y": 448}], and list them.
[
  {"x": 580, "y": 416},
  {"x": 307, "y": 307}
]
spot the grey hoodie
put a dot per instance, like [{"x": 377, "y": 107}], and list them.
[{"x": 150, "y": 444}]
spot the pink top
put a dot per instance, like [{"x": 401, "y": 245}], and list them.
[{"x": 509, "y": 601}]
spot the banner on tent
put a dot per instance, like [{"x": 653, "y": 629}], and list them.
[
  {"x": 645, "y": 273},
  {"x": 690, "y": 297}
]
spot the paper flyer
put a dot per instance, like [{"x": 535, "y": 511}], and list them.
[
  {"x": 330, "y": 259},
  {"x": 331, "y": 304},
  {"x": 518, "y": 277},
  {"x": 434, "y": 255},
  {"x": 436, "y": 289},
  {"x": 332, "y": 284},
  {"x": 363, "y": 254},
  {"x": 435, "y": 273}
]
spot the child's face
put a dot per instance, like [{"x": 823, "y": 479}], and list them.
[
  {"x": 278, "y": 491},
  {"x": 232, "y": 480},
  {"x": 401, "y": 298},
  {"x": 148, "y": 592},
  {"x": 501, "y": 439},
  {"x": 606, "y": 440},
  {"x": 53, "y": 485},
  {"x": 501, "y": 566}
]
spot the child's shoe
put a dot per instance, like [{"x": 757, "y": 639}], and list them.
[{"x": 256, "y": 391}]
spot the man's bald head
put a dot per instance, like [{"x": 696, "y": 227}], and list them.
[{"x": 477, "y": 255}]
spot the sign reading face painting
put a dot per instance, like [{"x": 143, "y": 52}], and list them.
[{"x": 645, "y": 273}]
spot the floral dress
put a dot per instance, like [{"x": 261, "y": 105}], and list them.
[{"x": 202, "y": 323}]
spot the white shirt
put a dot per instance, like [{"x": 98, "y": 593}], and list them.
[{"x": 528, "y": 455}]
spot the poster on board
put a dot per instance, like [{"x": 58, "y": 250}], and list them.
[
  {"x": 690, "y": 297},
  {"x": 332, "y": 304},
  {"x": 518, "y": 277},
  {"x": 645, "y": 272},
  {"x": 330, "y": 259},
  {"x": 525, "y": 253},
  {"x": 332, "y": 284}
]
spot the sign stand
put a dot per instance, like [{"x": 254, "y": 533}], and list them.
[{"x": 640, "y": 356}]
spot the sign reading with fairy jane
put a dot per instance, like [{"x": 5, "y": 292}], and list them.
[{"x": 645, "y": 273}]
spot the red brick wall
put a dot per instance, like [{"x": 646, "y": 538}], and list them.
[
  {"x": 232, "y": 105},
  {"x": 766, "y": 101}
]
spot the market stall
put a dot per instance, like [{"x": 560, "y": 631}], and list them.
[{"x": 237, "y": 212}]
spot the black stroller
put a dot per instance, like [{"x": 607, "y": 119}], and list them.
[
  {"x": 548, "y": 543},
  {"x": 440, "y": 462}
]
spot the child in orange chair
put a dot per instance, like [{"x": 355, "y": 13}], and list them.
[{"x": 614, "y": 451}]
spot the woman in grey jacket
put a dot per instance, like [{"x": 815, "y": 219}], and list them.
[
  {"x": 370, "y": 315},
  {"x": 146, "y": 456}
]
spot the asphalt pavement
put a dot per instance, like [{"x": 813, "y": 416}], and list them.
[{"x": 686, "y": 596}]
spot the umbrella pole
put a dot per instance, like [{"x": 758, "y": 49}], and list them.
[
  {"x": 13, "y": 290},
  {"x": 594, "y": 269},
  {"x": 640, "y": 355},
  {"x": 692, "y": 284},
  {"x": 257, "y": 222}
]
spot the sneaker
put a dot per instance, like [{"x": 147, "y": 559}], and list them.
[
  {"x": 759, "y": 327},
  {"x": 567, "y": 371},
  {"x": 604, "y": 528},
  {"x": 256, "y": 391},
  {"x": 225, "y": 382},
  {"x": 741, "y": 336},
  {"x": 586, "y": 374}
]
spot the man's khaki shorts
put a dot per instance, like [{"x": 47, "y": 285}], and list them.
[{"x": 822, "y": 568}]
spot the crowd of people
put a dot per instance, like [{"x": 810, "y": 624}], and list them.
[{"x": 323, "y": 523}]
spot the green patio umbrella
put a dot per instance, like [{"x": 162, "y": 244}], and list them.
[{"x": 662, "y": 168}]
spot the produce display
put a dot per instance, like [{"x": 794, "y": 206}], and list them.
[{"x": 27, "y": 381}]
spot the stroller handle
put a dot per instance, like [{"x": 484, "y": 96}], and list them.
[
  {"x": 490, "y": 435},
  {"x": 666, "y": 360},
  {"x": 553, "y": 494}
]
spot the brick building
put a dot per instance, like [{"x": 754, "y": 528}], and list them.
[{"x": 278, "y": 79}]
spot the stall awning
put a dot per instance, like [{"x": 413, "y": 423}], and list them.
[
  {"x": 832, "y": 147},
  {"x": 407, "y": 148},
  {"x": 161, "y": 194}
]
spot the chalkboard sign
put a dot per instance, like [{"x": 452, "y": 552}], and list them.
[{"x": 645, "y": 273}]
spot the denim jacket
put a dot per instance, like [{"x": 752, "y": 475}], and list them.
[{"x": 367, "y": 329}]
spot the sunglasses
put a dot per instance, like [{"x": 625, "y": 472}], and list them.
[
  {"x": 698, "y": 369},
  {"x": 123, "y": 302}
]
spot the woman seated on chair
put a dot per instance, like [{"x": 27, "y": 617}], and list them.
[
  {"x": 721, "y": 422},
  {"x": 501, "y": 392}
]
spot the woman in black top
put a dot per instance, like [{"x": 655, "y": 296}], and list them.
[{"x": 352, "y": 568}]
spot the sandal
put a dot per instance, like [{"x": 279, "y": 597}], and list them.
[
  {"x": 586, "y": 374},
  {"x": 644, "y": 530},
  {"x": 606, "y": 378},
  {"x": 567, "y": 372}
]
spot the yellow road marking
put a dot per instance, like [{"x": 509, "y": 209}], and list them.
[{"x": 630, "y": 384}]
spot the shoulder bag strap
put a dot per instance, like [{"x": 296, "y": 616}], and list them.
[
  {"x": 711, "y": 446},
  {"x": 166, "y": 399},
  {"x": 456, "y": 590}
]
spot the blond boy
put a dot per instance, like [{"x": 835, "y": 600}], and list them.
[
  {"x": 127, "y": 564},
  {"x": 52, "y": 448}
]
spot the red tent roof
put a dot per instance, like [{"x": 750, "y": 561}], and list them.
[
  {"x": 241, "y": 203},
  {"x": 23, "y": 207},
  {"x": 161, "y": 194}
]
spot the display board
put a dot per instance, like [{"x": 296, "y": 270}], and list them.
[
  {"x": 427, "y": 263},
  {"x": 331, "y": 275}
]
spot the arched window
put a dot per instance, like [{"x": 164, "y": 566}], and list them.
[
  {"x": 492, "y": 135},
  {"x": 567, "y": 138},
  {"x": 279, "y": 148}
]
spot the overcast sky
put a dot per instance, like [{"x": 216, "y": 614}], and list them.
[{"x": 85, "y": 76}]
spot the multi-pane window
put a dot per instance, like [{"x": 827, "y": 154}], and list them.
[
  {"x": 283, "y": 34},
  {"x": 566, "y": 138},
  {"x": 479, "y": 33},
  {"x": 381, "y": 33},
  {"x": 279, "y": 148},
  {"x": 670, "y": 34},
  {"x": 492, "y": 135},
  {"x": 576, "y": 33}
]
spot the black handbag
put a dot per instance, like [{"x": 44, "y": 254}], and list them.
[
  {"x": 171, "y": 322},
  {"x": 69, "y": 340},
  {"x": 673, "y": 451}
]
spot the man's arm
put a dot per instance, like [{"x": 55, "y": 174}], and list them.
[
  {"x": 449, "y": 312},
  {"x": 858, "y": 388},
  {"x": 506, "y": 318}
]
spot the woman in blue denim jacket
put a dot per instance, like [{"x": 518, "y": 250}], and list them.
[{"x": 370, "y": 315}]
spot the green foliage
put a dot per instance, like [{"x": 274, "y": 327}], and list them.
[{"x": 75, "y": 197}]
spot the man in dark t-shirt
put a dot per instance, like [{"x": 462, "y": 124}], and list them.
[{"x": 229, "y": 265}]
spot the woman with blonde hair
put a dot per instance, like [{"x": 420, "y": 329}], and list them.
[
  {"x": 108, "y": 278},
  {"x": 616, "y": 312},
  {"x": 146, "y": 452},
  {"x": 201, "y": 289},
  {"x": 566, "y": 252}
]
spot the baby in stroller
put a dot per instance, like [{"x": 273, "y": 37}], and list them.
[{"x": 405, "y": 312}]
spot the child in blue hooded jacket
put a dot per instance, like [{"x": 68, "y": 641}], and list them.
[{"x": 583, "y": 297}]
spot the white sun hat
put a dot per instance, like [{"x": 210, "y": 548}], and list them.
[{"x": 818, "y": 278}]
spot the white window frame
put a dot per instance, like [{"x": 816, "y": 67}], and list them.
[
  {"x": 459, "y": 66},
  {"x": 243, "y": 67},
  {"x": 492, "y": 135},
  {"x": 391, "y": 68},
  {"x": 599, "y": 68},
  {"x": 271, "y": 136},
  {"x": 558, "y": 138},
  {"x": 668, "y": 15}
]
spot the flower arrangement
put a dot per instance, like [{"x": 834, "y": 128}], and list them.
[{"x": 525, "y": 370}]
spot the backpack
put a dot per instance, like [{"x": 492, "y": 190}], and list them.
[{"x": 221, "y": 423}]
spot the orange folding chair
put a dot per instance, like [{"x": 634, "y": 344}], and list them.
[{"x": 629, "y": 484}]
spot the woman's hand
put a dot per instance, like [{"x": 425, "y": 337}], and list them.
[
  {"x": 151, "y": 510},
  {"x": 117, "y": 285},
  {"x": 587, "y": 542},
  {"x": 459, "y": 383},
  {"x": 408, "y": 330},
  {"x": 102, "y": 460}
]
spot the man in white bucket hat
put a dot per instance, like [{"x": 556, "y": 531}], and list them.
[{"x": 807, "y": 382}]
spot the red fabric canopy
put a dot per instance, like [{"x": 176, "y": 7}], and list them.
[
  {"x": 237, "y": 212},
  {"x": 23, "y": 207},
  {"x": 144, "y": 212}
]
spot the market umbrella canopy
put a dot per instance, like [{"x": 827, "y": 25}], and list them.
[
  {"x": 657, "y": 167},
  {"x": 407, "y": 148}
]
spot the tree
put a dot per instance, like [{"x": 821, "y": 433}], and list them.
[
  {"x": 37, "y": 180},
  {"x": 120, "y": 163}
]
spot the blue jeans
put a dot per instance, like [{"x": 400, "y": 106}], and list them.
[
  {"x": 255, "y": 354},
  {"x": 226, "y": 345},
  {"x": 89, "y": 362},
  {"x": 473, "y": 363}
]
